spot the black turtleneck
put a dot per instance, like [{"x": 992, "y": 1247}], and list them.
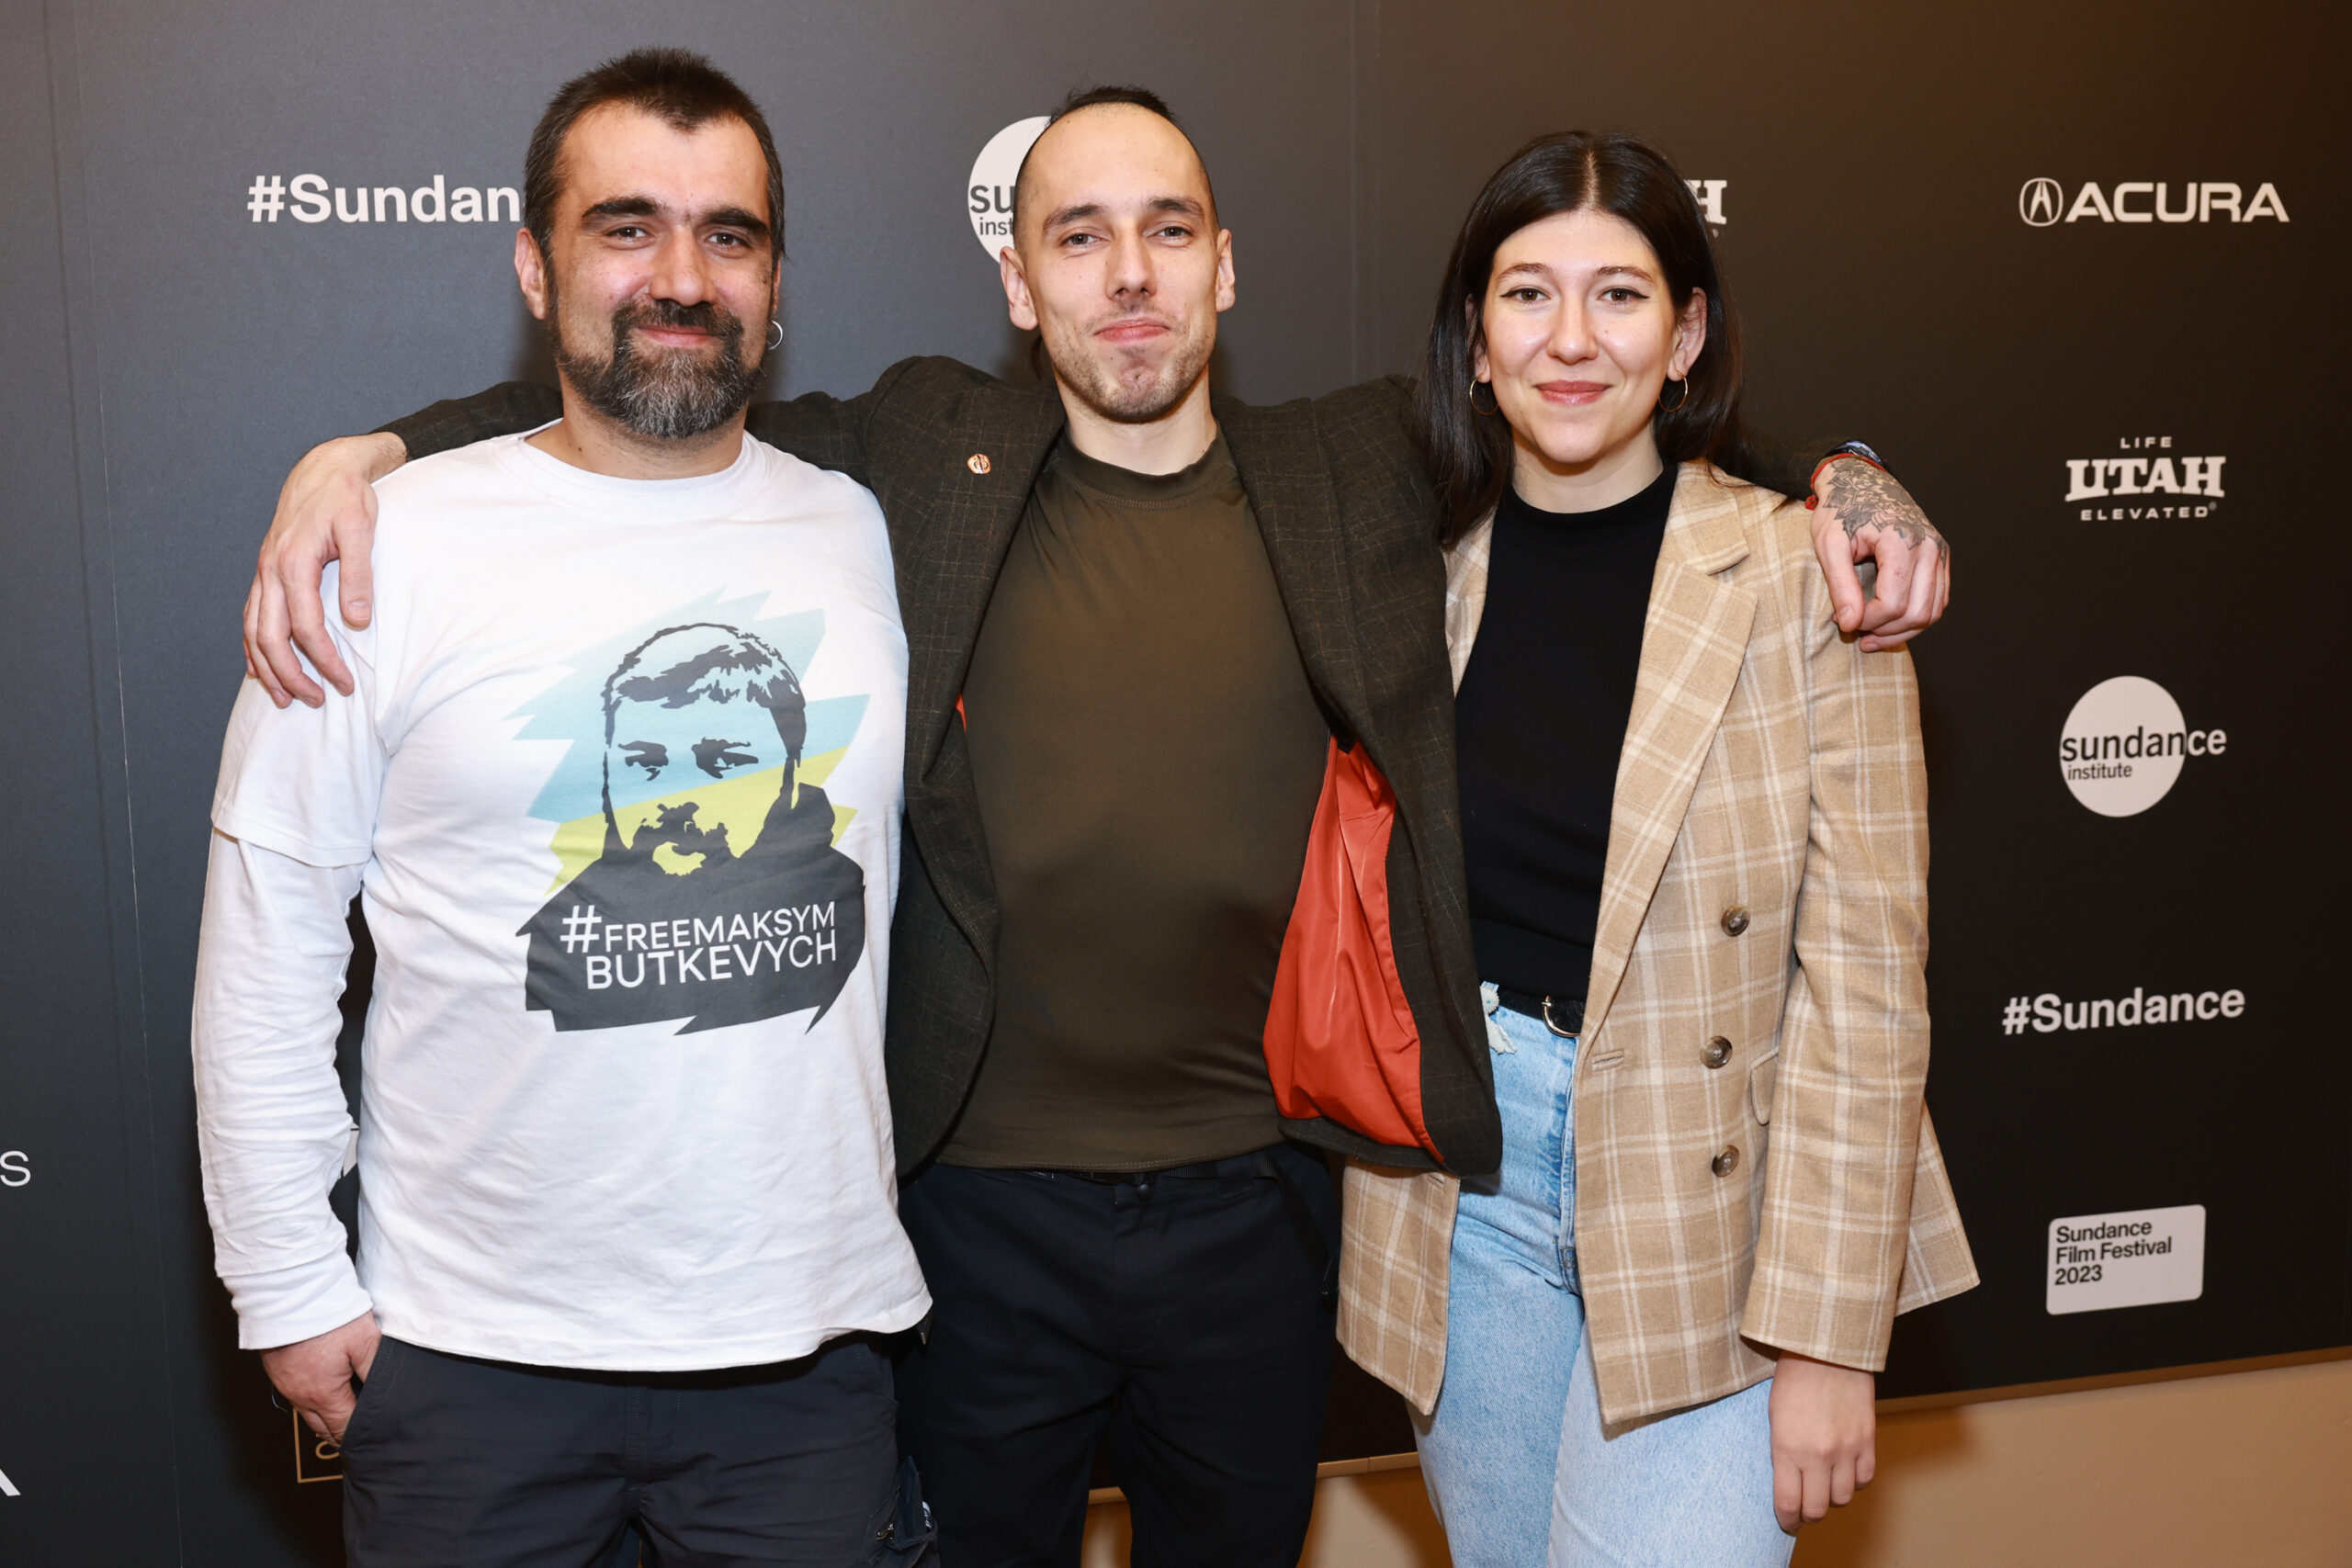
[{"x": 1539, "y": 723}]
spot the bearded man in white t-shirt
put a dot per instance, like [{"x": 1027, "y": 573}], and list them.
[{"x": 620, "y": 791}]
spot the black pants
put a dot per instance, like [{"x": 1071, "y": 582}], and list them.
[
  {"x": 1184, "y": 1316},
  {"x": 451, "y": 1462}
]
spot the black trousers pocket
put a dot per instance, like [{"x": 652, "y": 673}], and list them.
[{"x": 383, "y": 1373}]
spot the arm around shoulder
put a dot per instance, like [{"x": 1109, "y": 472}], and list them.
[
  {"x": 836, "y": 432},
  {"x": 1781, "y": 464},
  {"x": 326, "y": 512}
]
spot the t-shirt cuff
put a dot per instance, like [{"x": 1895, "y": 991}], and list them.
[
  {"x": 289, "y": 1304},
  {"x": 280, "y": 837}
]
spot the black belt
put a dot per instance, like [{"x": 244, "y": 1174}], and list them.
[{"x": 1561, "y": 1015}]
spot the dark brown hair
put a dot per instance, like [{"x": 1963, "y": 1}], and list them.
[
  {"x": 1470, "y": 453},
  {"x": 681, "y": 87}
]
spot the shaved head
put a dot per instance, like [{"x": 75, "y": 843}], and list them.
[{"x": 1115, "y": 100}]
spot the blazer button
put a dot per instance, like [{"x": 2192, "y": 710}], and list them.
[
  {"x": 1736, "y": 920},
  {"x": 1716, "y": 1052},
  {"x": 1726, "y": 1162},
  {"x": 978, "y": 462}
]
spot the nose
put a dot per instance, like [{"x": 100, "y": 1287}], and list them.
[
  {"x": 681, "y": 271},
  {"x": 1130, "y": 277},
  {"x": 1571, "y": 338}
]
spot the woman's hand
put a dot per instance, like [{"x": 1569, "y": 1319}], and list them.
[
  {"x": 326, "y": 510},
  {"x": 1824, "y": 1437}
]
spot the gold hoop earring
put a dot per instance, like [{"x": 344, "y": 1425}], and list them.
[
  {"x": 1675, "y": 407},
  {"x": 1492, "y": 407}
]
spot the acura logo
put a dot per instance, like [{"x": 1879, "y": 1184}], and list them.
[{"x": 2039, "y": 202}]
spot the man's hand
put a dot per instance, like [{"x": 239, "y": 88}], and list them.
[
  {"x": 1861, "y": 513},
  {"x": 315, "y": 1374},
  {"x": 1824, "y": 1437},
  {"x": 326, "y": 512}
]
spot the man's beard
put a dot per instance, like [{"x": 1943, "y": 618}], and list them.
[
  {"x": 675, "y": 397},
  {"x": 1127, "y": 401}
]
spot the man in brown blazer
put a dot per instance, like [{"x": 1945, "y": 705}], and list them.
[{"x": 1124, "y": 1237}]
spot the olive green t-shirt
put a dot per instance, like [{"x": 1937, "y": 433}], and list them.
[{"x": 1147, "y": 754}]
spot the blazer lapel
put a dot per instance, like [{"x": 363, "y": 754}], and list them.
[
  {"x": 1465, "y": 592},
  {"x": 1291, "y": 494},
  {"x": 951, "y": 522},
  {"x": 959, "y": 547},
  {"x": 1694, "y": 640}
]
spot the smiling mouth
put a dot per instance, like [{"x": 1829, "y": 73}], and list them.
[
  {"x": 1573, "y": 393},
  {"x": 680, "y": 336}
]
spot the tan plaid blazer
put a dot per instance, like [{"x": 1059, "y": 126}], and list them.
[{"x": 1769, "y": 765}]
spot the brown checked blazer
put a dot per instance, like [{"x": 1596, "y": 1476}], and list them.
[{"x": 1770, "y": 766}]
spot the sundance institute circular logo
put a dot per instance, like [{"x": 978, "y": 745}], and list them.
[
  {"x": 2123, "y": 746},
  {"x": 989, "y": 197}
]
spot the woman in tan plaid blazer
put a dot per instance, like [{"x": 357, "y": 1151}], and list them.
[{"x": 1718, "y": 1183}]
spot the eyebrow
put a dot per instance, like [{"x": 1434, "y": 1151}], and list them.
[
  {"x": 1188, "y": 206},
  {"x": 737, "y": 217},
  {"x": 646, "y": 206},
  {"x": 1542, "y": 269},
  {"x": 623, "y": 206}
]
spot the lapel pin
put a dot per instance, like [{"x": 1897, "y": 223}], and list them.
[{"x": 978, "y": 462}]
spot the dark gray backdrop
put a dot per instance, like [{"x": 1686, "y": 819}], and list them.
[{"x": 168, "y": 357}]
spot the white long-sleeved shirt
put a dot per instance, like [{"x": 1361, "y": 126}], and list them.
[
  {"x": 275, "y": 1132},
  {"x": 619, "y": 791}
]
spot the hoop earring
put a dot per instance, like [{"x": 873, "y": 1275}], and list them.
[
  {"x": 1492, "y": 407},
  {"x": 1676, "y": 406},
  {"x": 776, "y": 334}
]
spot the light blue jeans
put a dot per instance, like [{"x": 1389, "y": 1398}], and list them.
[{"x": 1518, "y": 1465}]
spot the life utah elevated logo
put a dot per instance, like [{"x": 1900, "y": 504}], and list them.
[{"x": 2144, "y": 478}]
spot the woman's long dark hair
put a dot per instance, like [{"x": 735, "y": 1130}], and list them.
[{"x": 1470, "y": 453}]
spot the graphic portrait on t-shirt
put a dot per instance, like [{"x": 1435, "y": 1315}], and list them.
[{"x": 715, "y": 892}]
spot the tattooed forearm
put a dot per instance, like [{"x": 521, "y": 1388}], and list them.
[{"x": 1862, "y": 496}]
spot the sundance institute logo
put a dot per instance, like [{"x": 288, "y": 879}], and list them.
[
  {"x": 989, "y": 194},
  {"x": 2123, "y": 745}
]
